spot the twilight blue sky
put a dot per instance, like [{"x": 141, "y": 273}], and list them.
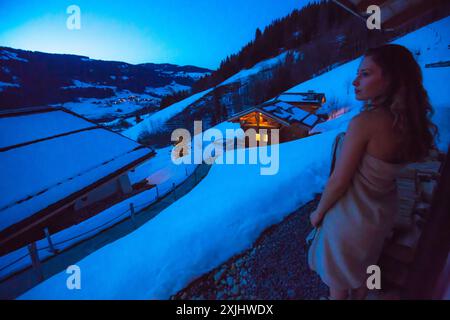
[{"x": 184, "y": 32}]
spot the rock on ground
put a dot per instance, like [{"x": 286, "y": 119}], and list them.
[{"x": 274, "y": 268}]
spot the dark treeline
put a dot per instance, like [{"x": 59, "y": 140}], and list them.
[
  {"x": 174, "y": 97},
  {"x": 290, "y": 32}
]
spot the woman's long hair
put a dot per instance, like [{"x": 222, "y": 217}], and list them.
[{"x": 407, "y": 99}]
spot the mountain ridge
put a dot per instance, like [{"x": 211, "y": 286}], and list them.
[{"x": 31, "y": 78}]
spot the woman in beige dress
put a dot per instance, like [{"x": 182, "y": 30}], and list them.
[{"x": 358, "y": 206}]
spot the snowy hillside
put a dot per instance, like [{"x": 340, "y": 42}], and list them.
[
  {"x": 157, "y": 120},
  {"x": 268, "y": 64}
]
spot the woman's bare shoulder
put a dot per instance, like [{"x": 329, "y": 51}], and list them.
[
  {"x": 384, "y": 141},
  {"x": 374, "y": 120},
  {"x": 364, "y": 121}
]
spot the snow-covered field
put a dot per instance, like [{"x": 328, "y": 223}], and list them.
[
  {"x": 227, "y": 211},
  {"x": 168, "y": 89},
  {"x": 95, "y": 109}
]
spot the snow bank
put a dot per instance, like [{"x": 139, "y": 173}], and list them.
[{"x": 201, "y": 230}]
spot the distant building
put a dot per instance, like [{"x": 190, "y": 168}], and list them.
[
  {"x": 58, "y": 169},
  {"x": 292, "y": 113},
  {"x": 309, "y": 101}
]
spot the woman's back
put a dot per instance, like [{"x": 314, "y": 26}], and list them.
[
  {"x": 358, "y": 206},
  {"x": 385, "y": 142}
]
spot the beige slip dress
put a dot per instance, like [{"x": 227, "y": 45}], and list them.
[{"x": 353, "y": 230}]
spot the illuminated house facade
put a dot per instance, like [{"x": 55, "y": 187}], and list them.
[{"x": 292, "y": 113}]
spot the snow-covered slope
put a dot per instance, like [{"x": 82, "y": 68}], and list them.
[
  {"x": 268, "y": 64},
  {"x": 154, "y": 122},
  {"x": 221, "y": 216}
]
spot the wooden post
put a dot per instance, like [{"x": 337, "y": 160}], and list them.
[
  {"x": 195, "y": 175},
  {"x": 132, "y": 215},
  {"x": 49, "y": 240},
  {"x": 32, "y": 250},
  {"x": 173, "y": 190}
]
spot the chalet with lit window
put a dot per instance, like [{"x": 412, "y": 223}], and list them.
[{"x": 292, "y": 113}]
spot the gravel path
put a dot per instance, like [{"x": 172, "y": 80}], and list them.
[{"x": 274, "y": 268}]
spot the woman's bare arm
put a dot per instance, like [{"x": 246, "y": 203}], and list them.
[{"x": 353, "y": 148}]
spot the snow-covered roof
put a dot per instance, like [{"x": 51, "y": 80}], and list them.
[
  {"x": 290, "y": 113},
  {"x": 284, "y": 108},
  {"x": 51, "y": 156},
  {"x": 283, "y": 112},
  {"x": 301, "y": 97},
  {"x": 24, "y": 127}
]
